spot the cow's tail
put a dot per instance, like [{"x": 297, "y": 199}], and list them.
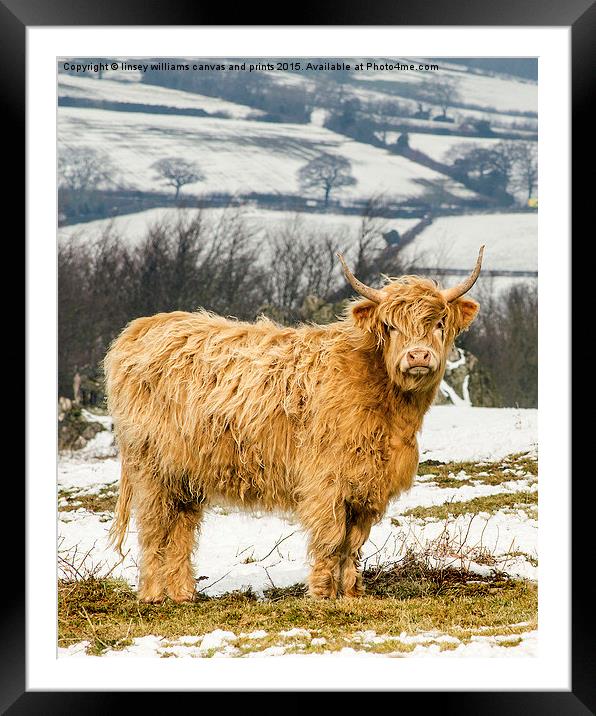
[{"x": 122, "y": 513}]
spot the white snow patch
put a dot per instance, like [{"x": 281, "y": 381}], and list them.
[
  {"x": 451, "y": 393},
  {"x": 258, "y": 634},
  {"x": 295, "y": 632},
  {"x": 468, "y": 433},
  {"x": 216, "y": 639},
  {"x": 427, "y": 645},
  {"x": 318, "y": 641},
  {"x": 452, "y": 242}
]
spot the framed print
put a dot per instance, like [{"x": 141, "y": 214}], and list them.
[{"x": 189, "y": 186}]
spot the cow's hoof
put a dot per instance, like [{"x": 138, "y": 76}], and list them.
[
  {"x": 151, "y": 599},
  {"x": 182, "y": 598},
  {"x": 181, "y": 593},
  {"x": 321, "y": 595}
]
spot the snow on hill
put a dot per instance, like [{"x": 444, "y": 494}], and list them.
[
  {"x": 500, "y": 92},
  {"x": 470, "y": 433},
  {"x": 452, "y": 242},
  {"x": 133, "y": 227},
  {"x": 237, "y": 156},
  {"x": 437, "y": 146},
  {"x": 128, "y": 92}
]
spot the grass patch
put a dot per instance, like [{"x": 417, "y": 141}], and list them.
[
  {"x": 532, "y": 559},
  {"x": 408, "y": 597},
  {"x": 520, "y": 466},
  {"x": 104, "y": 500},
  {"x": 527, "y": 501}
]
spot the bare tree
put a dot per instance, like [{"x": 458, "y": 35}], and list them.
[
  {"x": 442, "y": 91},
  {"x": 524, "y": 174},
  {"x": 83, "y": 169},
  {"x": 178, "y": 172},
  {"x": 327, "y": 172},
  {"x": 372, "y": 225},
  {"x": 299, "y": 263}
]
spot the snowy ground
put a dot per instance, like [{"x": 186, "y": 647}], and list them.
[
  {"x": 260, "y": 222},
  {"x": 437, "y": 146},
  {"x": 140, "y": 93},
  {"x": 500, "y": 92},
  {"x": 497, "y": 98},
  {"x": 452, "y": 242},
  {"x": 237, "y": 549},
  {"x": 236, "y": 155},
  {"x": 221, "y": 643}
]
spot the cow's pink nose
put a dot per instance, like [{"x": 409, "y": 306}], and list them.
[{"x": 419, "y": 359}]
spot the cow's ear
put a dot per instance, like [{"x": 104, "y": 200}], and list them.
[
  {"x": 466, "y": 311},
  {"x": 363, "y": 313}
]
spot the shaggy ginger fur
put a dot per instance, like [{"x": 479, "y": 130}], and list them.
[{"x": 319, "y": 420}]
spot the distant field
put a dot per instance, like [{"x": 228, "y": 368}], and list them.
[
  {"x": 449, "y": 242},
  {"x": 498, "y": 98},
  {"x": 453, "y": 241},
  {"x": 237, "y": 156},
  {"x": 437, "y": 146},
  {"x": 140, "y": 93},
  {"x": 501, "y": 93},
  {"x": 260, "y": 222},
  {"x": 241, "y": 156}
]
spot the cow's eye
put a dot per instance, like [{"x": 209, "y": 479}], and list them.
[{"x": 440, "y": 326}]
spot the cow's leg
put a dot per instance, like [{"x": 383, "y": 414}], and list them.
[
  {"x": 178, "y": 571},
  {"x": 154, "y": 518},
  {"x": 327, "y": 535},
  {"x": 358, "y": 526}
]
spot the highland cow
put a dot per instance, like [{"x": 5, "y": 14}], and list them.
[{"x": 317, "y": 420}]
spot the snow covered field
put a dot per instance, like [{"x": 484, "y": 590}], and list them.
[
  {"x": 111, "y": 90},
  {"x": 453, "y": 241},
  {"x": 449, "y": 242},
  {"x": 238, "y": 549},
  {"x": 237, "y": 156},
  {"x": 498, "y": 98},
  {"x": 437, "y": 146},
  {"x": 260, "y": 222},
  {"x": 501, "y": 93}
]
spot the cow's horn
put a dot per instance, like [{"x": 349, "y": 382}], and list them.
[
  {"x": 372, "y": 293},
  {"x": 450, "y": 294}
]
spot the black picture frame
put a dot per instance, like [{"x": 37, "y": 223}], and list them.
[{"x": 580, "y": 17}]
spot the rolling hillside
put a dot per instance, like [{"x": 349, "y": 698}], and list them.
[{"x": 237, "y": 156}]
